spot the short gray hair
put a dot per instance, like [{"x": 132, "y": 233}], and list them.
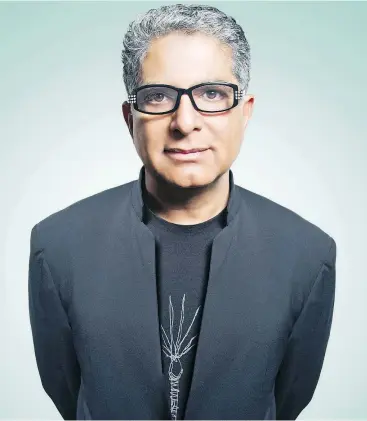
[{"x": 188, "y": 19}]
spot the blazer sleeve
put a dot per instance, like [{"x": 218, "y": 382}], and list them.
[
  {"x": 301, "y": 367},
  {"x": 52, "y": 337}
]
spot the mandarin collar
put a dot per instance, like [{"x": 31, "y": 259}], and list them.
[{"x": 231, "y": 209}]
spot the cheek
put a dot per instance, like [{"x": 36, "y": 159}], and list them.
[
  {"x": 227, "y": 136},
  {"x": 145, "y": 139},
  {"x": 154, "y": 137}
]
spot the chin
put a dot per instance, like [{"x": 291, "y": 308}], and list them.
[{"x": 190, "y": 176}]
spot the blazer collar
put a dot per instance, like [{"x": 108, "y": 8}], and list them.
[{"x": 231, "y": 210}]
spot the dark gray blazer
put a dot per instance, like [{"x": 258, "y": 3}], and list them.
[{"x": 94, "y": 317}]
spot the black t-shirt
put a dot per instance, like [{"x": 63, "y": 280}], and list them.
[{"x": 182, "y": 266}]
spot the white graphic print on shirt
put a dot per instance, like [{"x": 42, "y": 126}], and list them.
[{"x": 172, "y": 350}]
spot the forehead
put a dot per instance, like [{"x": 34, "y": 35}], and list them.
[{"x": 185, "y": 60}]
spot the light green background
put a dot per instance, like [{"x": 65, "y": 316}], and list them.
[{"x": 63, "y": 137}]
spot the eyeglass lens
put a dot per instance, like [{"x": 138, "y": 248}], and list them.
[{"x": 207, "y": 98}]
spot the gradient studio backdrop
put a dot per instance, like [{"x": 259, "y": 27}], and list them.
[{"x": 63, "y": 138}]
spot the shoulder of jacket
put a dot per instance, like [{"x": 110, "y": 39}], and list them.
[
  {"x": 87, "y": 212},
  {"x": 289, "y": 225}
]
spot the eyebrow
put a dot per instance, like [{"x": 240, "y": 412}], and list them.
[{"x": 203, "y": 81}]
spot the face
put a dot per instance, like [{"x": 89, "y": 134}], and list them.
[{"x": 183, "y": 61}]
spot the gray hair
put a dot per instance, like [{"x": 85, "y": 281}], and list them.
[{"x": 187, "y": 19}]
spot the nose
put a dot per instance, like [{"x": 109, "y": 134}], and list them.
[{"x": 186, "y": 118}]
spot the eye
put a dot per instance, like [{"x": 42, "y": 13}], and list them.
[
  {"x": 155, "y": 96},
  {"x": 211, "y": 91}
]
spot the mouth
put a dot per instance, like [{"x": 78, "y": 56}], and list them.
[
  {"x": 185, "y": 151},
  {"x": 187, "y": 155}
]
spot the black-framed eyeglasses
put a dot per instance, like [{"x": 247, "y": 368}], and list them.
[{"x": 210, "y": 97}]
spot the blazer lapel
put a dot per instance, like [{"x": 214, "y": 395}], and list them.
[
  {"x": 241, "y": 337},
  {"x": 213, "y": 328}
]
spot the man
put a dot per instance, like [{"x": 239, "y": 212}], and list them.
[{"x": 181, "y": 294}]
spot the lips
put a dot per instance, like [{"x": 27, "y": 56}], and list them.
[{"x": 185, "y": 151}]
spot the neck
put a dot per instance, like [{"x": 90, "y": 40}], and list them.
[{"x": 186, "y": 206}]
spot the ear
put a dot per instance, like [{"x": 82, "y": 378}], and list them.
[
  {"x": 248, "y": 106},
  {"x": 126, "y": 111}
]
